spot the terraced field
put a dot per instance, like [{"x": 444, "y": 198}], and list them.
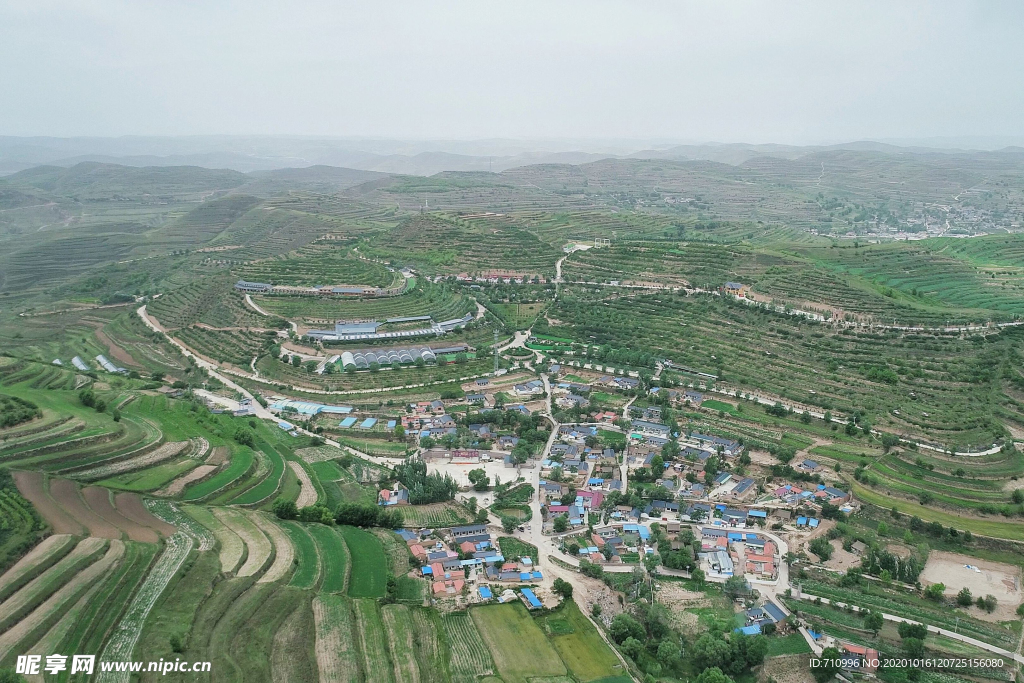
[
  {"x": 952, "y": 379},
  {"x": 439, "y": 301},
  {"x": 439, "y": 244},
  {"x": 269, "y": 486},
  {"x": 518, "y": 646},
  {"x": 307, "y": 571},
  {"x": 336, "y": 562},
  {"x": 124, "y": 637},
  {"x": 369, "y": 563},
  {"x": 470, "y": 658},
  {"x": 930, "y": 276},
  {"x": 373, "y": 643},
  {"x": 318, "y": 264},
  {"x": 337, "y": 651}
]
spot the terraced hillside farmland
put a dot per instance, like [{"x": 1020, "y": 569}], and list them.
[
  {"x": 518, "y": 646},
  {"x": 212, "y": 302},
  {"x": 945, "y": 388},
  {"x": 439, "y": 244},
  {"x": 324, "y": 263},
  {"x": 929, "y": 276},
  {"x": 439, "y": 301},
  {"x": 694, "y": 264}
]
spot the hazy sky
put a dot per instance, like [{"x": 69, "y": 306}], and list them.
[{"x": 726, "y": 71}]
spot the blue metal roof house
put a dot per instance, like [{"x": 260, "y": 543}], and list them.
[{"x": 531, "y": 599}]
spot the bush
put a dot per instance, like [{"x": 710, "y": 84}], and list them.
[
  {"x": 367, "y": 515},
  {"x": 246, "y": 437},
  {"x": 822, "y": 548},
  {"x": 624, "y": 626},
  {"x": 285, "y": 509}
]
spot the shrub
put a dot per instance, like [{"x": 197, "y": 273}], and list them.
[
  {"x": 285, "y": 509},
  {"x": 822, "y": 548}
]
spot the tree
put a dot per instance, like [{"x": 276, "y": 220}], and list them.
[
  {"x": 822, "y": 548},
  {"x": 914, "y": 647},
  {"x": 668, "y": 653},
  {"x": 1018, "y": 496},
  {"x": 988, "y": 603},
  {"x": 964, "y": 597},
  {"x": 698, "y": 577},
  {"x": 631, "y": 647},
  {"x": 919, "y": 631},
  {"x": 563, "y": 588},
  {"x": 319, "y": 513},
  {"x": 595, "y": 610},
  {"x": 479, "y": 479},
  {"x": 246, "y": 437},
  {"x": 285, "y": 509},
  {"x": 625, "y": 626},
  {"x": 827, "y": 666},
  {"x": 561, "y": 523},
  {"x": 874, "y": 622},
  {"x": 710, "y": 650},
  {"x": 508, "y": 523},
  {"x": 889, "y": 441},
  {"x": 935, "y": 591},
  {"x": 735, "y": 586},
  {"x": 399, "y": 432},
  {"x": 712, "y": 675}
]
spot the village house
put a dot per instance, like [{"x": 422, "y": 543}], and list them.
[{"x": 398, "y": 495}]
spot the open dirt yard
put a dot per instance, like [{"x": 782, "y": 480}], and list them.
[
  {"x": 460, "y": 473},
  {"x": 991, "y": 578},
  {"x": 841, "y": 560}
]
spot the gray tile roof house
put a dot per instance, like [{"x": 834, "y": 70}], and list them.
[
  {"x": 648, "y": 427},
  {"x": 774, "y": 611},
  {"x": 743, "y": 486}
]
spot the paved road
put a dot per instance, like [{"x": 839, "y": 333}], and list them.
[{"x": 933, "y": 629}]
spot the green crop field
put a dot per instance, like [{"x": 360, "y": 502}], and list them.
[
  {"x": 518, "y": 645},
  {"x": 580, "y": 646},
  {"x": 321, "y": 264},
  {"x": 369, "y": 564},
  {"x": 336, "y": 561},
  {"x": 306, "y": 555}
]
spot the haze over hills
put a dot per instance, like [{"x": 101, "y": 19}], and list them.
[{"x": 410, "y": 157}]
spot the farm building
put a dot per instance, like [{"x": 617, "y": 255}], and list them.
[
  {"x": 362, "y": 360},
  {"x": 253, "y": 287}
]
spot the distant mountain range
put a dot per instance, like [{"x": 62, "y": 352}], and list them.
[{"x": 422, "y": 158}]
